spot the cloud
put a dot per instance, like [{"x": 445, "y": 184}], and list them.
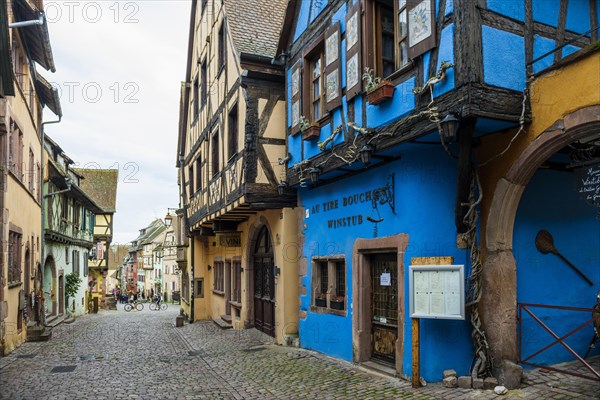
[{"x": 119, "y": 69}]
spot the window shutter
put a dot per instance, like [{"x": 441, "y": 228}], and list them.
[
  {"x": 353, "y": 53},
  {"x": 333, "y": 81},
  {"x": 296, "y": 89},
  {"x": 421, "y": 27}
]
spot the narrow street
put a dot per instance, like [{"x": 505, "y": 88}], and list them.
[{"x": 141, "y": 355}]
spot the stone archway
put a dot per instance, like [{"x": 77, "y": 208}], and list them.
[
  {"x": 258, "y": 231},
  {"x": 499, "y": 301},
  {"x": 50, "y": 305}
]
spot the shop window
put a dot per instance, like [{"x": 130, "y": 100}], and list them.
[
  {"x": 329, "y": 284},
  {"x": 14, "y": 257},
  {"x": 219, "y": 277}
]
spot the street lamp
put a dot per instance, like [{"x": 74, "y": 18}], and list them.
[
  {"x": 314, "y": 175},
  {"x": 365, "y": 154},
  {"x": 281, "y": 187},
  {"x": 449, "y": 128},
  {"x": 168, "y": 218}
]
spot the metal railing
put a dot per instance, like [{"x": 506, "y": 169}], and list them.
[{"x": 558, "y": 339}]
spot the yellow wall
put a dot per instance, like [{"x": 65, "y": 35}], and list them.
[
  {"x": 24, "y": 211},
  {"x": 552, "y": 96},
  {"x": 282, "y": 226}
]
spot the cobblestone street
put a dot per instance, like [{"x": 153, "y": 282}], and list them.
[{"x": 141, "y": 355}]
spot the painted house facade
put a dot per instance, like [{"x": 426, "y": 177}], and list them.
[
  {"x": 24, "y": 94},
  {"x": 396, "y": 112},
  {"x": 232, "y": 136},
  {"x": 68, "y": 234},
  {"x": 171, "y": 275},
  {"x": 101, "y": 186},
  {"x": 140, "y": 276}
]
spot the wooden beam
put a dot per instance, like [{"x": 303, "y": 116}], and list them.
[
  {"x": 463, "y": 181},
  {"x": 416, "y": 355}
]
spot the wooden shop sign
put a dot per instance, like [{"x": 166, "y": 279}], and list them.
[{"x": 230, "y": 239}]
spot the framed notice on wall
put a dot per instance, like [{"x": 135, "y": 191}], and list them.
[{"x": 437, "y": 291}]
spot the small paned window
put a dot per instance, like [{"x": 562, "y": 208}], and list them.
[
  {"x": 219, "y": 276},
  {"x": 329, "y": 285}
]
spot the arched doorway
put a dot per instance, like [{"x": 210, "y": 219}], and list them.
[
  {"x": 49, "y": 287},
  {"x": 264, "y": 283},
  {"x": 499, "y": 301}
]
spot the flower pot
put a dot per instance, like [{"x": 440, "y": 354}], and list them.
[
  {"x": 384, "y": 91},
  {"x": 319, "y": 302},
  {"x": 336, "y": 304},
  {"x": 311, "y": 132}
]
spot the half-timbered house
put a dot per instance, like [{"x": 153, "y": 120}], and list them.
[
  {"x": 24, "y": 93},
  {"x": 232, "y": 136},
  {"x": 68, "y": 235},
  {"x": 395, "y": 108},
  {"x": 101, "y": 186}
]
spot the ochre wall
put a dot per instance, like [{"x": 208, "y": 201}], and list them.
[
  {"x": 282, "y": 228},
  {"x": 552, "y": 96}
]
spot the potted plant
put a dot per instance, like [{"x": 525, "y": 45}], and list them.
[
  {"x": 378, "y": 90},
  {"x": 321, "y": 300},
  {"x": 309, "y": 131},
  {"x": 336, "y": 302}
]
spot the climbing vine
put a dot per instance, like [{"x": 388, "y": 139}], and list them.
[{"x": 72, "y": 283}]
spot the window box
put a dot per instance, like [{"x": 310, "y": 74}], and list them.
[
  {"x": 312, "y": 132},
  {"x": 384, "y": 91},
  {"x": 336, "y": 304},
  {"x": 321, "y": 301}
]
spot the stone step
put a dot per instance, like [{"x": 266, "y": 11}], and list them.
[
  {"x": 222, "y": 324},
  {"x": 226, "y": 318},
  {"x": 39, "y": 334},
  {"x": 55, "y": 320},
  {"x": 379, "y": 367}
]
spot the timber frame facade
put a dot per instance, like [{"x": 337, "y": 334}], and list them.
[
  {"x": 68, "y": 234},
  {"x": 470, "y": 62},
  {"x": 232, "y": 182}
]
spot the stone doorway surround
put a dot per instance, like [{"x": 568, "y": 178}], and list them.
[
  {"x": 499, "y": 300},
  {"x": 362, "y": 251}
]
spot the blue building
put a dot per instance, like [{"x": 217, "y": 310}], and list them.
[{"x": 404, "y": 117}]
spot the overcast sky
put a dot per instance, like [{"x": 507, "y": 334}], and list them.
[{"x": 119, "y": 65}]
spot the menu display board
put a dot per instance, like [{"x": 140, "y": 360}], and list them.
[{"x": 437, "y": 291}]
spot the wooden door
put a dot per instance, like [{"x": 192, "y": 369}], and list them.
[
  {"x": 264, "y": 284},
  {"x": 384, "y": 307}
]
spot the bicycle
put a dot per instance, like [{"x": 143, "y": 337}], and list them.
[
  {"x": 136, "y": 304},
  {"x": 155, "y": 307}
]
